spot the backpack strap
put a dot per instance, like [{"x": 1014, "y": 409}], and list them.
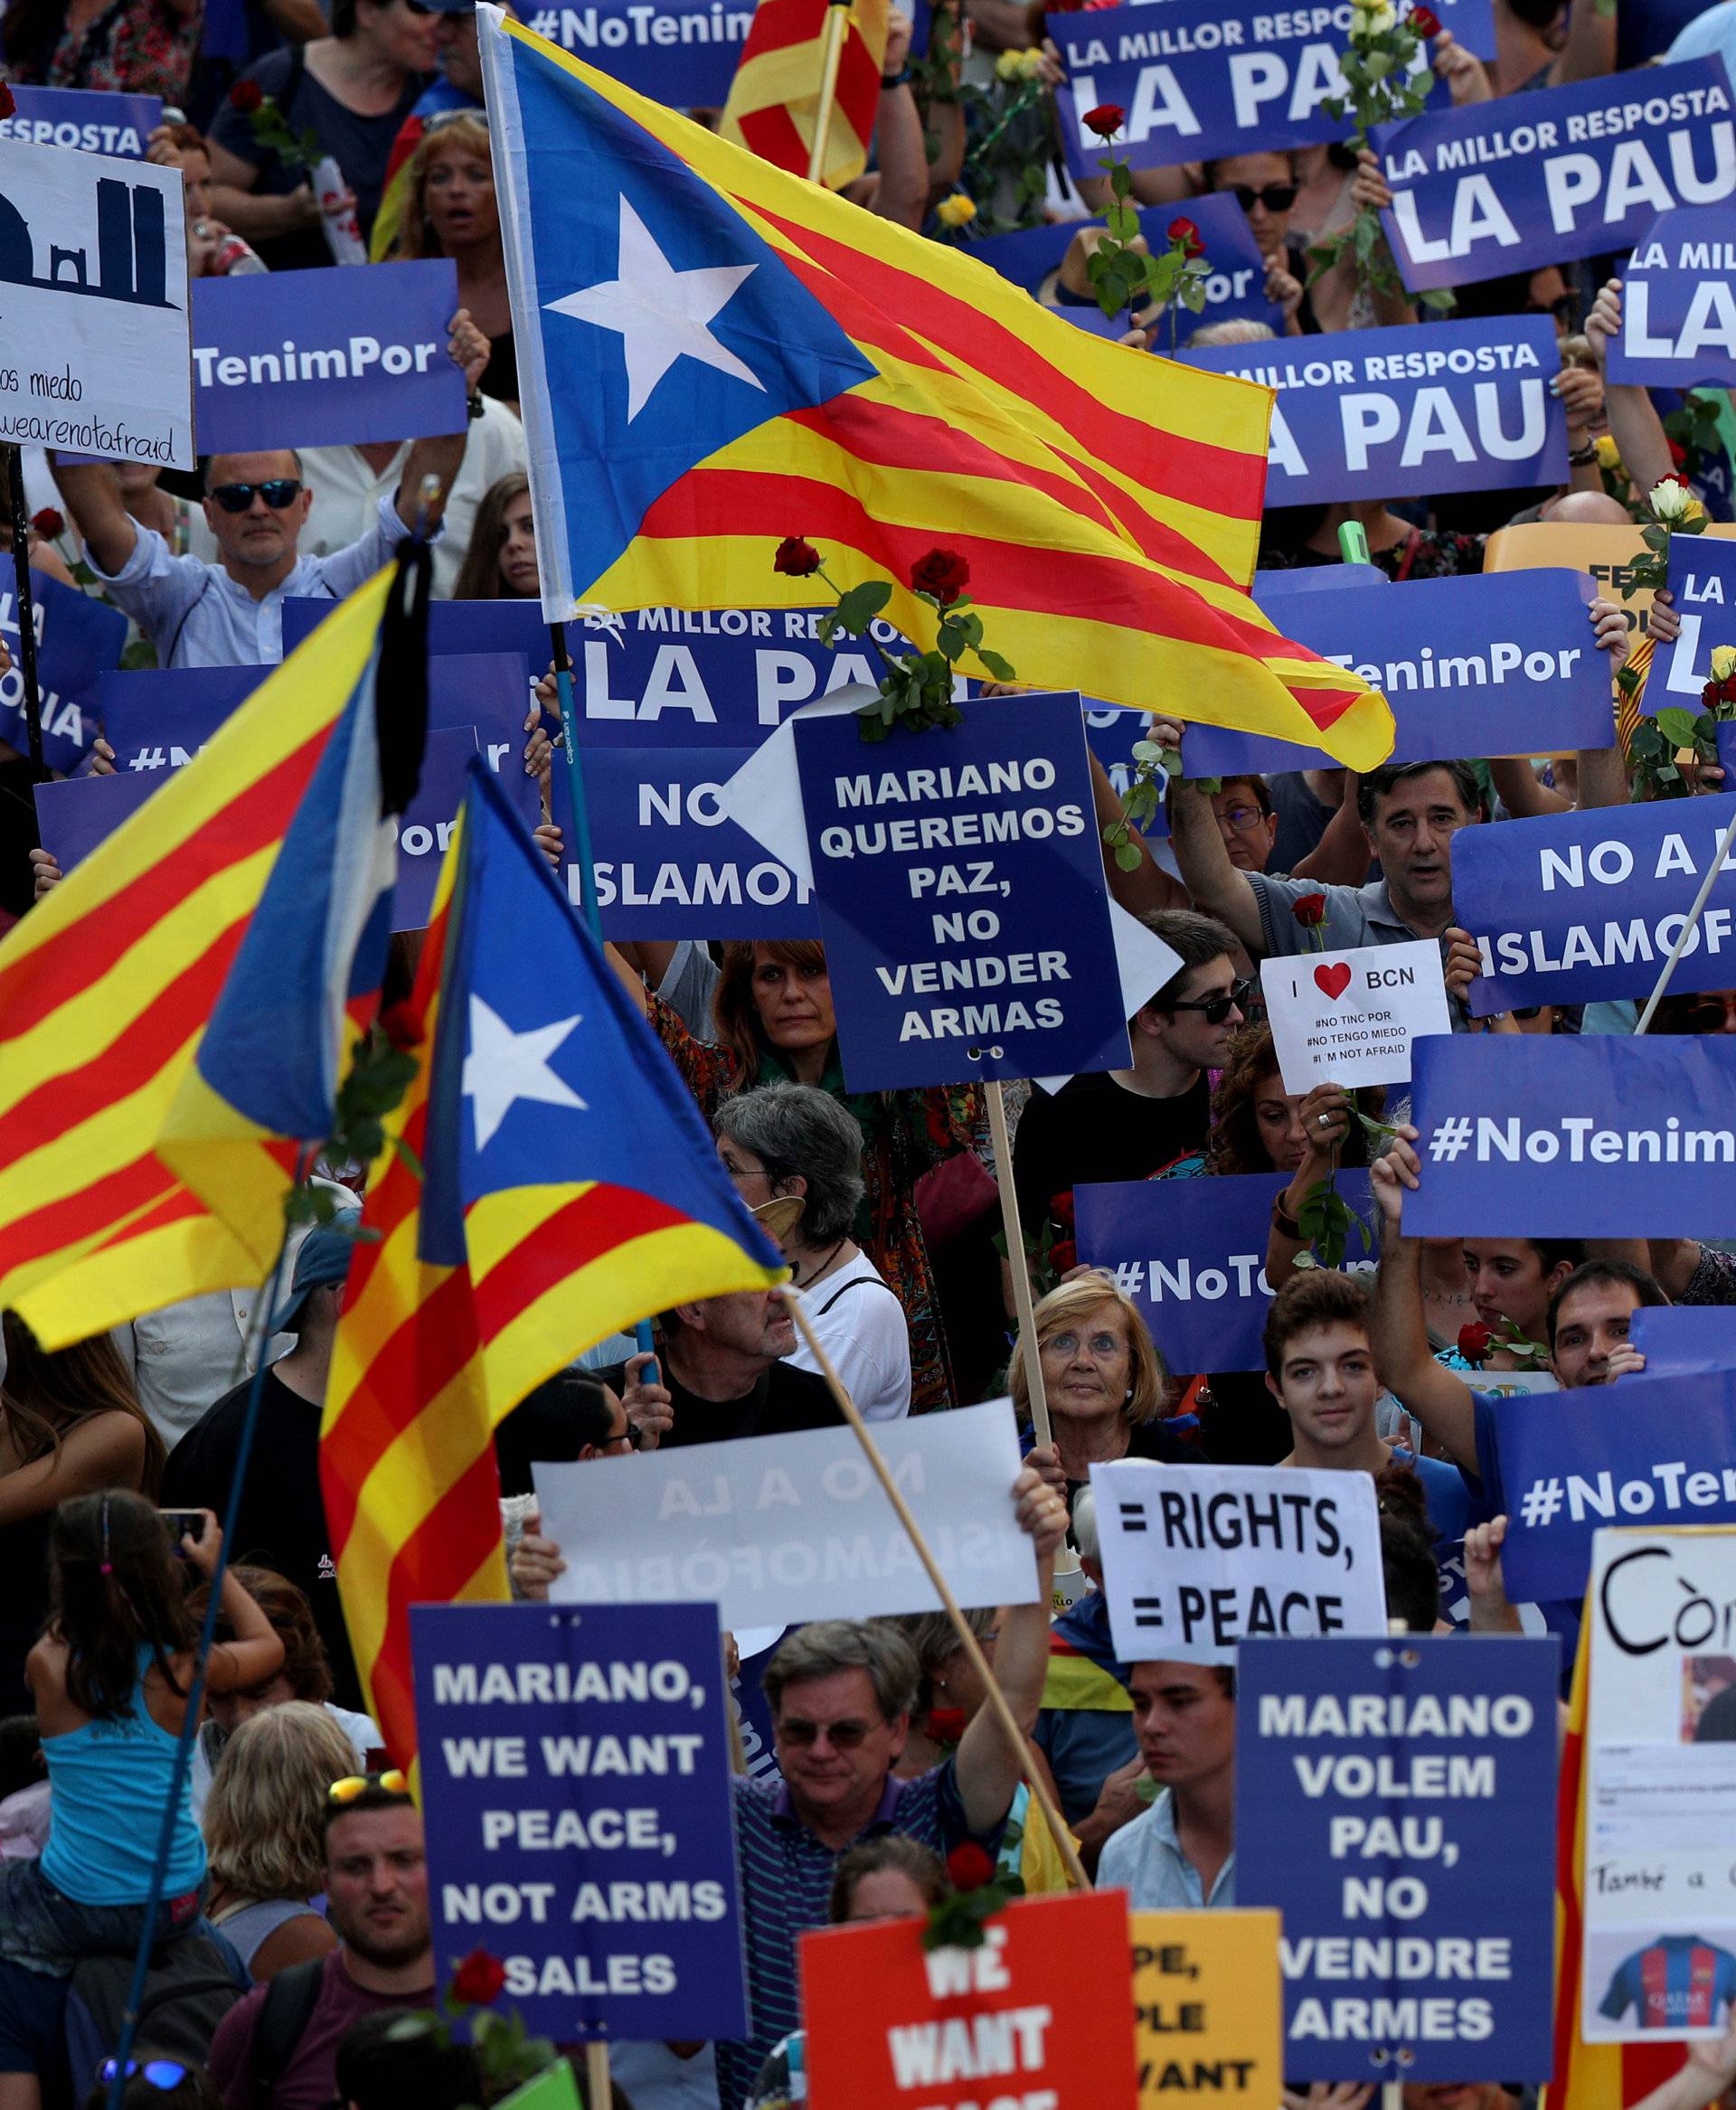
[
  {"x": 284, "y": 2015},
  {"x": 855, "y": 1282}
]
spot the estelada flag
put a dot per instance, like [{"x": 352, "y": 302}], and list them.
[
  {"x": 773, "y": 103},
  {"x": 715, "y": 354}
]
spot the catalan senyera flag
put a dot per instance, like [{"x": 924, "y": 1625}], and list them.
[
  {"x": 716, "y": 355},
  {"x": 106, "y": 988},
  {"x": 1588, "y": 2077},
  {"x": 560, "y": 1186},
  {"x": 773, "y": 103}
]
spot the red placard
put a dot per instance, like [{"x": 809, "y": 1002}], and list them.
[{"x": 1040, "y": 2018}]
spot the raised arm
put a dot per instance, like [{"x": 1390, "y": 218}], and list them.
[
  {"x": 1340, "y": 858},
  {"x": 1442, "y": 1401},
  {"x": 1634, "y": 425},
  {"x": 93, "y": 499},
  {"x": 256, "y": 1652},
  {"x": 1216, "y": 886},
  {"x": 441, "y": 456}
]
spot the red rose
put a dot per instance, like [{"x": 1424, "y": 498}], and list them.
[
  {"x": 402, "y": 1025},
  {"x": 8, "y": 102},
  {"x": 796, "y": 559},
  {"x": 479, "y": 1981},
  {"x": 1106, "y": 119},
  {"x": 246, "y": 95},
  {"x": 48, "y": 523},
  {"x": 1675, "y": 476},
  {"x": 943, "y": 573},
  {"x": 946, "y": 1724},
  {"x": 969, "y": 1865},
  {"x": 1062, "y": 1255},
  {"x": 1184, "y": 232},
  {"x": 1310, "y": 911},
  {"x": 1678, "y": 453},
  {"x": 1475, "y": 1340},
  {"x": 1425, "y": 21}
]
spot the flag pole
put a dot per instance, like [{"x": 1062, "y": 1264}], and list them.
[
  {"x": 600, "y": 2092},
  {"x": 26, "y": 612},
  {"x": 1016, "y": 1260},
  {"x": 837, "y": 24},
  {"x": 967, "y": 1641},
  {"x": 1688, "y": 928}
]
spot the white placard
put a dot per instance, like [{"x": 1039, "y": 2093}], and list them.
[
  {"x": 1199, "y": 1557},
  {"x": 1349, "y": 1018},
  {"x": 777, "y": 1532},
  {"x": 1659, "y": 1880},
  {"x": 95, "y": 331}
]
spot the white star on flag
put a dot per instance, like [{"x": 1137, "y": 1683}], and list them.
[
  {"x": 662, "y": 315},
  {"x": 504, "y": 1067}
]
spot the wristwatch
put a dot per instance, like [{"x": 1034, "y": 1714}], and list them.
[{"x": 900, "y": 80}]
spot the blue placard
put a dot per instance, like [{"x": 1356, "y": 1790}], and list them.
[
  {"x": 1495, "y": 663},
  {"x": 96, "y": 120},
  {"x": 1647, "y": 1450},
  {"x": 1604, "y": 1137},
  {"x": 73, "y": 816},
  {"x": 1380, "y": 1787},
  {"x": 324, "y": 358},
  {"x": 682, "y": 52},
  {"x": 1685, "y": 1339},
  {"x": 576, "y": 1787},
  {"x": 1271, "y": 586},
  {"x": 1207, "y": 79},
  {"x": 1236, "y": 286},
  {"x": 78, "y": 638},
  {"x": 425, "y": 827},
  {"x": 1192, "y": 1254},
  {"x": 1703, "y": 584},
  {"x": 669, "y": 862},
  {"x": 1362, "y": 414},
  {"x": 962, "y": 897},
  {"x": 1678, "y": 303},
  {"x": 1580, "y": 907},
  {"x": 1500, "y": 187}
]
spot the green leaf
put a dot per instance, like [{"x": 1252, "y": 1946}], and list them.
[
  {"x": 1677, "y": 726},
  {"x": 1441, "y": 298},
  {"x": 859, "y": 607},
  {"x": 1126, "y": 857},
  {"x": 1000, "y": 668},
  {"x": 1147, "y": 751}
]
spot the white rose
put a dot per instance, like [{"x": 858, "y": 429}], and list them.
[{"x": 1671, "y": 502}]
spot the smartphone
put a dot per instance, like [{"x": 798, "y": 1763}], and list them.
[{"x": 182, "y": 1523}]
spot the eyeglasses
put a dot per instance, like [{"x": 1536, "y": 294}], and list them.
[
  {"x": 843, "y": 1736},
  {"x": 1244, "y": 819},
  {"x": 355, "y": 1784},
  {"x": 1216, "y": 1009},
  {"x": 1103, "y": 1347},
  {"x": 277, "y": 492},
  {"x": 158, "y": 2073},
  {"x": 1566, "y": 308},
  {"x": 1275, "y": 197}
]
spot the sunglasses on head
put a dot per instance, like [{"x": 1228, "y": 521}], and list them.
[
  {"x": 158, "y": 2073},
  {"x": 277, "y": 492},
  {"x": 1216, "y": 1009},
  {"x": 1275, "y": 197},
  {"x": 355, "y": 1784}
]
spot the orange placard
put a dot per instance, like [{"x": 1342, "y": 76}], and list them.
[
  {"x": 1607, "y": 553},
  {"x": 1039, "y": 2018}
]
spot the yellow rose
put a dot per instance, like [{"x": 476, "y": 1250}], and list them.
[
  {"x": 1608, "y": 454},
  {"x": 1724, "y": 662},
  {"x": 955, "y": 210},
  {"x": 1009, "y": 65},
  {"x": 1031, "y": 62}
]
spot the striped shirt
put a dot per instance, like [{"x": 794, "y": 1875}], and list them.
[{"x": 786, "y": 1888}]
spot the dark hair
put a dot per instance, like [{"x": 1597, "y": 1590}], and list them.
[
  {"x": 372, "y": 1797},
  {"x": 553, "y": 1425},
  {"x": 46, "y": 1392},
  {"x": 892, "y": 1849},
  {"x": 1197, "y": 940},
  {"x": 382, "y": 2061},
  {"x": 21, "y": 1753},
  {"x": 1233, "y": 1145},
  {"x": 1209, "y": 169},
  {"x": 1262, "y": 790},
  {"x": 798, "y": 1132},
  {"x": 115, "y": 1586},
  {"x": 1316, "y": 1297},
  {"x": 195, "y": 2090},
  {"x": 342, "y": 17},
  {"x": 1589, "y": 1273},
  {"x": 736, "y": 1015},
  {"x": 478, "y": 577},
  {"x": 305, "y": 1662},
  {"x": 1551, "y": 1252},
  {"x": 1375, "y": 786},
  {"x": 1407, "y": 1549}
]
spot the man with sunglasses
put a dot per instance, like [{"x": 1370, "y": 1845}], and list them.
[{"x": 231, "y": 613}]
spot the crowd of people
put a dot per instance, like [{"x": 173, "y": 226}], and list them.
[{"x": 297, "y": 1857}]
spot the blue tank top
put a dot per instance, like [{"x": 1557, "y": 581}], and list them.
[{"x": 111, "y": 1781}]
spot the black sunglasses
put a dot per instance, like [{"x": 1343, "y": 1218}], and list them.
[
  {"x": 1216, "y": 1009},
  {"x": 1275, "y": 197},
  {"x": 277, "y": 492}
]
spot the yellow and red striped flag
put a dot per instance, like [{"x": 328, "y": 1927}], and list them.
[
  {"x": 106, "y": 988},
  {"x": 721, "y": 355},
  {"x": 774, "y": 98},
  {"x": 560, "y": 1186}
]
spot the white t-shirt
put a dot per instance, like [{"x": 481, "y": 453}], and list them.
[{"x": 860, "y": 1324}]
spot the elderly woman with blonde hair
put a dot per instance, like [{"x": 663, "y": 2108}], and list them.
[
  {"x": 264, "y": 1824},
  {"x": 1103, "y": 1379}
]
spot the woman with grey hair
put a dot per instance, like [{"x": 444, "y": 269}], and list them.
[{"x": 784, "y": 1141}]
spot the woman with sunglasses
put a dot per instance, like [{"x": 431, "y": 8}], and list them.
[
  {"x": 353, "y": 89},
  {"x": 1265, "y": 186}
]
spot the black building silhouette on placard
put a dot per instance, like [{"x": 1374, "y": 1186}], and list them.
[{"x": 132, "y": 249}]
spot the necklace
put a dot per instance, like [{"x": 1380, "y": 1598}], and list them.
[{"x": 802, "y": 1282}]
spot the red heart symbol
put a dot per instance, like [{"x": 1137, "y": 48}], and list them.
[{"x": 1334, "y": 980}]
